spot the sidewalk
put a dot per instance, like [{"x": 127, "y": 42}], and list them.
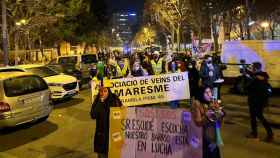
[{"x": 237, "y": 125}]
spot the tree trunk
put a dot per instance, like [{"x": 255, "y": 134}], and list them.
[
  {"x": 58, "y": 49},
  {"x": 41, "y": 48},
  {"x": 178, "y": 31},
  {"x": 241, "y": 31},
  {"x": 272, "y": 30},
  {"x": 16, "y": 48},
  {"x": 173, "y": 38},
  {"x": 248, "y": 11},
  {"x": 5, "y": 33},
  {"x": 215, "y": 34},
  {"x": 230, "y": 28},
  {"x": 216, "y": 43}
]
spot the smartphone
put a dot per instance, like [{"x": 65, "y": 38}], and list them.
[{"x": 215, "y": 93}]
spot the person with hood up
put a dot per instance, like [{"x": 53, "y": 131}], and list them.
[
  {"x": 100, "y": 112},
  {"x": 157, "y": 63}
]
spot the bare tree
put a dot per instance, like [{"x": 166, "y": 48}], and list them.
[{"x": 171, "y": 15}]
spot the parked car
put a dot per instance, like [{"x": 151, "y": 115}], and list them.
[
  {"x": 24, "y": 97},
  {"x": 61, "y": 86},
  {"x": 82, "y": 62},
  {"x": 68, "y": 69}
]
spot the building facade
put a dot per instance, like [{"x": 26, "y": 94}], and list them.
[{"x": 123, "y": 25}]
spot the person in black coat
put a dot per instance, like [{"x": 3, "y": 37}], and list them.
[
  {"x": 100, "y": 111},
  {"x": 257, "y": 100},
  {"x": 193, "y": 79}
]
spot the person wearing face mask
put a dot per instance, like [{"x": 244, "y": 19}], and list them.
[
  {"x": 122, "y": 69},
  {"x": 209, "y": 73},
  {"x": 100, "y": 112},
  {"x": 157, "y": 63},
  {"x": 137, "y": 70},
  {"x": 173, "y": 67},
  {"x": 193, "y": 78},
  {"x": 208, "y": 114},
  {"x": 258, "y": 94}
]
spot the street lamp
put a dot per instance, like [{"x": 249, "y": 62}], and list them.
[
  {"x": 23, "y": 21},
  {"x": 145, "y": 30},
  {"x": 264, "y": 25},
  {"x": 19, "y": 23}
]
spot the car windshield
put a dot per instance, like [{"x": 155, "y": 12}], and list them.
[
  {"x": 24, "y": 85},
  {"x": 42, "y": 71},
  {"x": 68, "y": 60},
  {"x": 69, "y": 68},
  {"x": 89, "y": 59}
]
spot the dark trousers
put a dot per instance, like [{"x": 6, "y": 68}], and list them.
[
  {"x": 102, "y": 155},
  {"x": 207, "y": 153},
  {"x": 256, "y": 111}
]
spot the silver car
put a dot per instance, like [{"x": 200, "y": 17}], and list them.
[{"x": 24, "y": 98}]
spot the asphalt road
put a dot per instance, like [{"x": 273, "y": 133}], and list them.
[{"x": 68, "y": 133}]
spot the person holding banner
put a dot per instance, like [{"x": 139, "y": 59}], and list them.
[
  {"x": 100, "y": 111},
  {"x": 193, "y": 78},
  {"x": 122, "y": 68},
  {"x": 158, "y": 65},
  {"x": 209, "y": 114},
  {"x": 137, "y": 70}
]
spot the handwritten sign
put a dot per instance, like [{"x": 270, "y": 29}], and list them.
[{"x": 153, "y": 133}]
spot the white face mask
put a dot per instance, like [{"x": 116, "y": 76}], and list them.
[{"x": 136, "y": 68}]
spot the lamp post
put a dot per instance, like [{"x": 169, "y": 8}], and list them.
[
  {"x": 19, "y": 23},
  {"x": 264, "y": 26}
]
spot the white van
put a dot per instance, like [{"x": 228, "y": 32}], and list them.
[
  {"x": 265, "y": 52},
  {"x": 82, "y": 62}
]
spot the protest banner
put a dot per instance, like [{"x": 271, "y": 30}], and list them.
[
  {"x": 151, "y": 89},
  {"x": 153, "y": 133}
]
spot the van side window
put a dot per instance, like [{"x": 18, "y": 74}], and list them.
[
  {"x": 68, "y": 60},
  {"x": 24, "y": 85},
  {"x": 89, "y": 59}
]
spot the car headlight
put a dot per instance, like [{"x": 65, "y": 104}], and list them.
[{"x": 55, "y": 84}]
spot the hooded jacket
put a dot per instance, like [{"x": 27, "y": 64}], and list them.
[{"x": 100, "y": 111}]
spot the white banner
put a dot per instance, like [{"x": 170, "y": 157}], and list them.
[{"x": 151, "y": 89}]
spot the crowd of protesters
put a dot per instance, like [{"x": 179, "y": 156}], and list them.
[
  {"x": 205, "y": 78},
  {"x": 113, "y": 65}
]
